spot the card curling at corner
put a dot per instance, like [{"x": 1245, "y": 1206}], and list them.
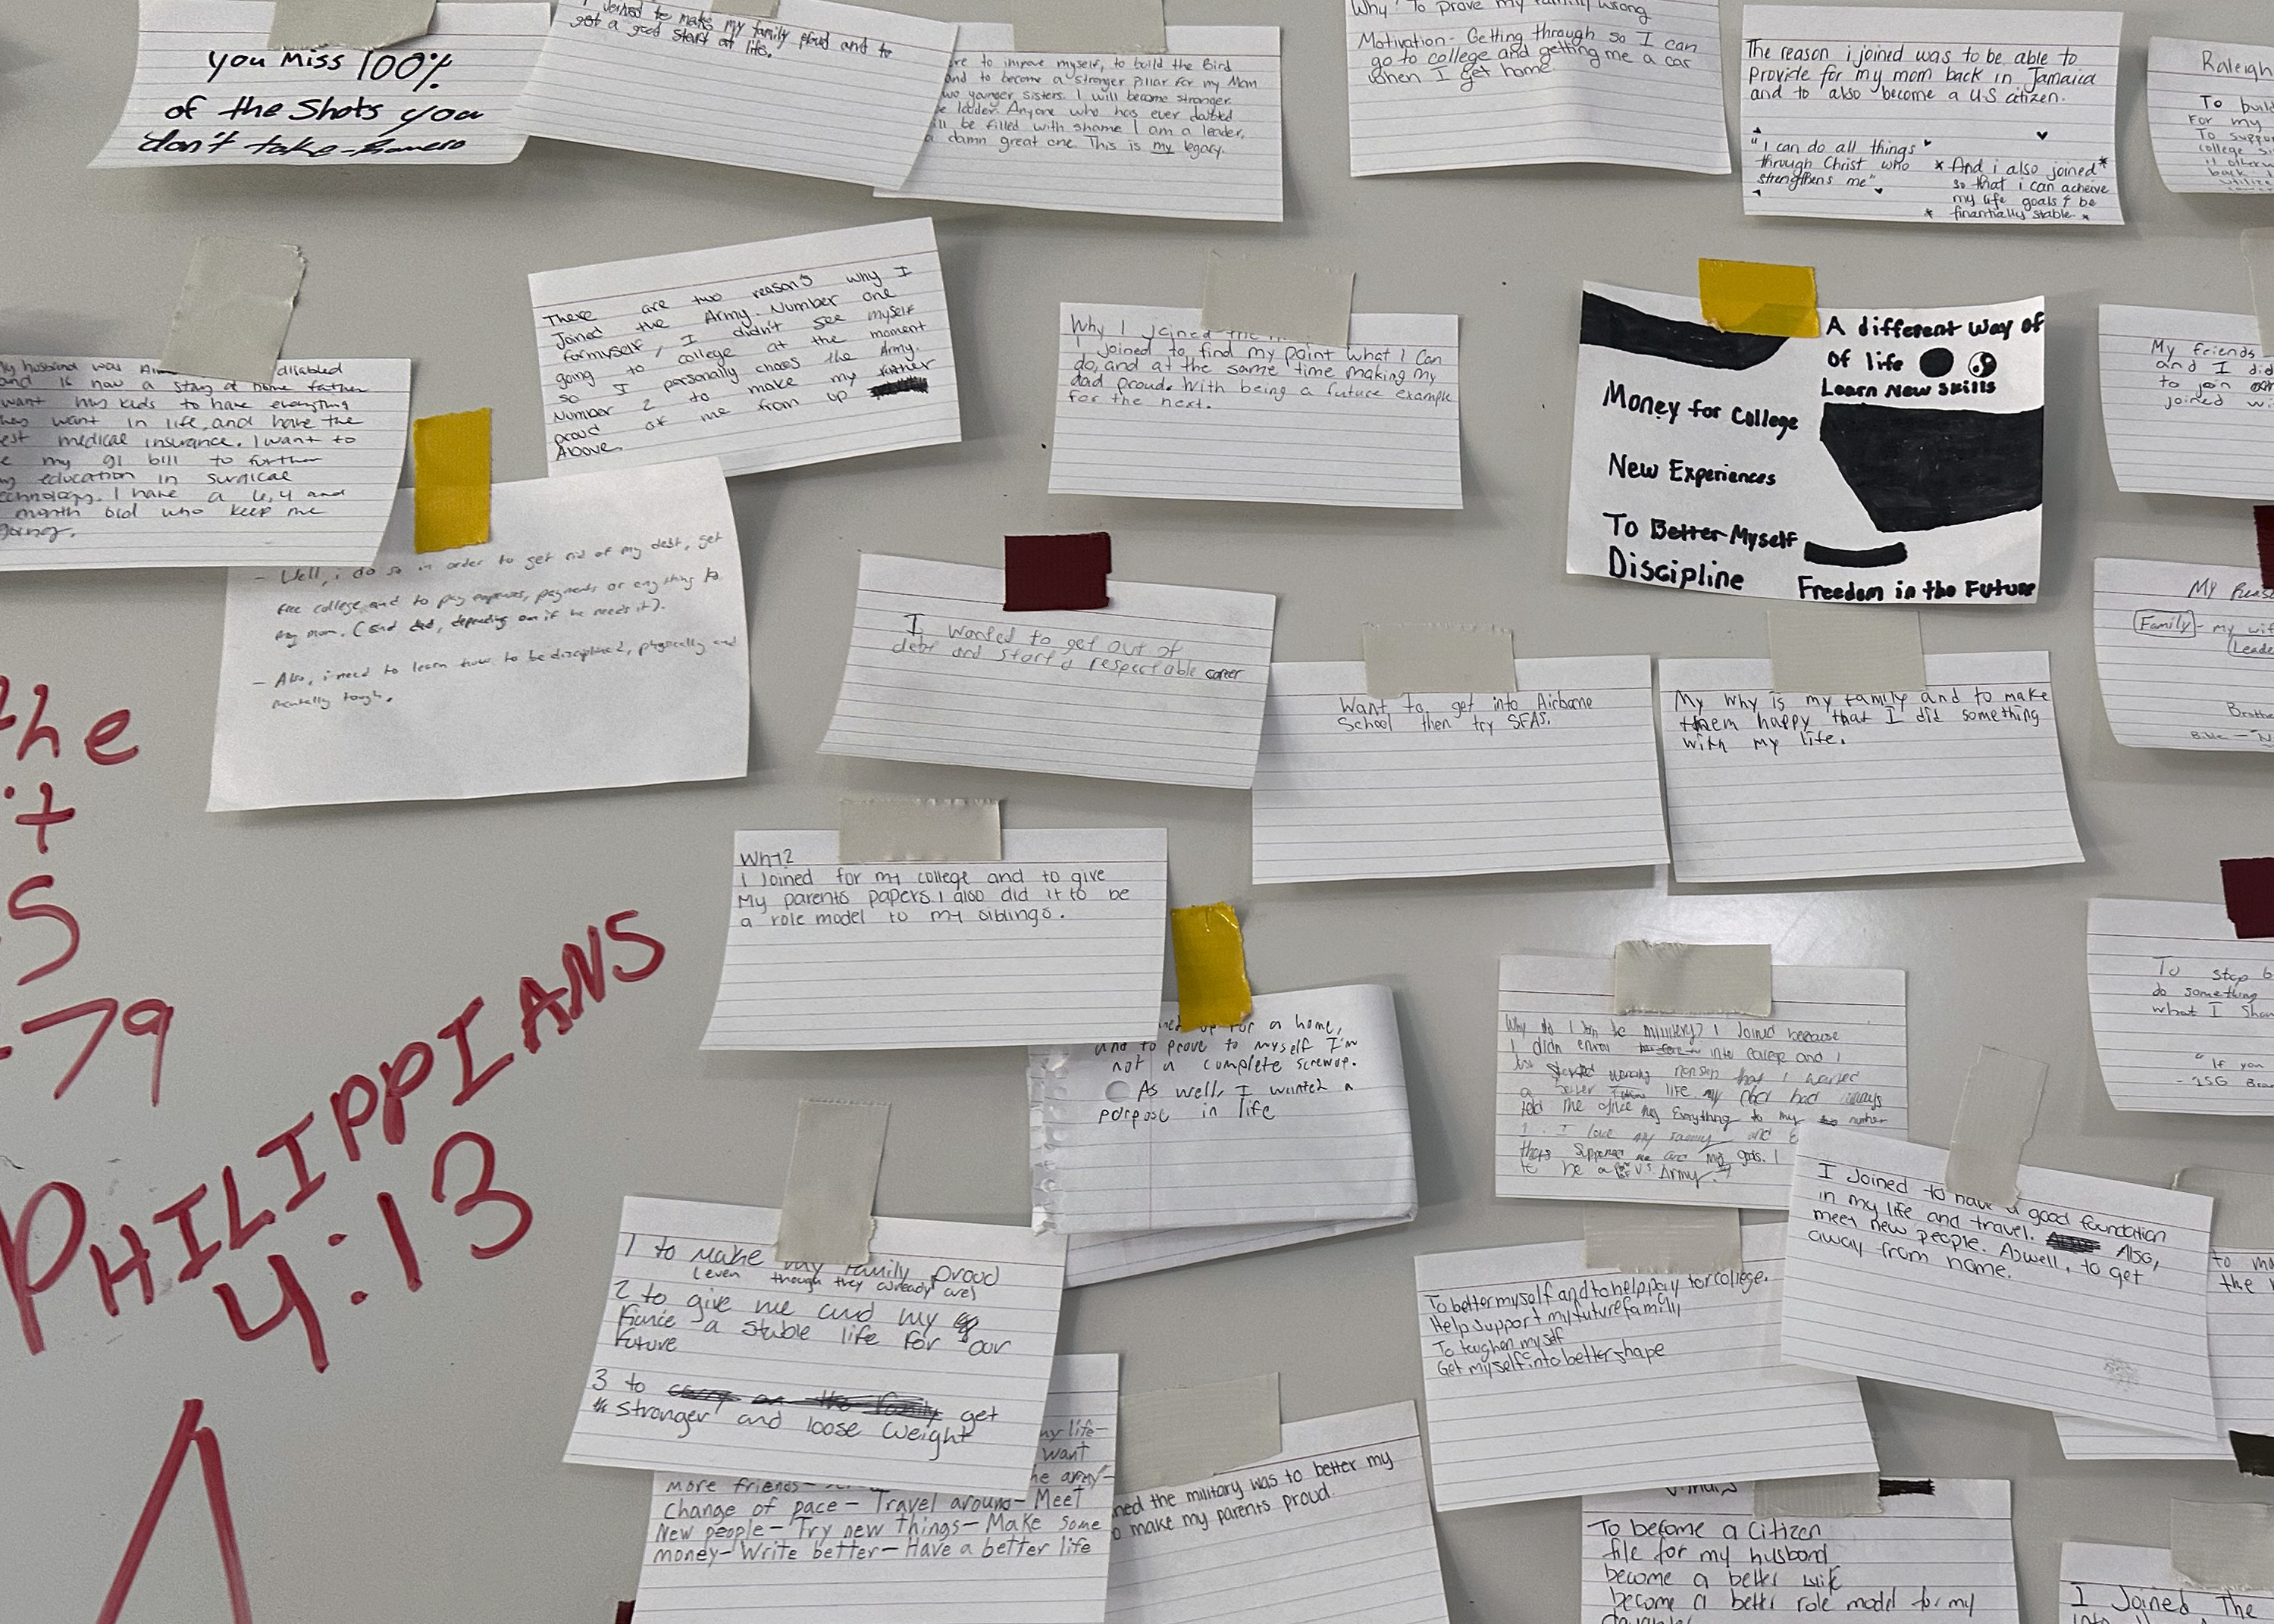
[{"x": 1899, "y": 457}]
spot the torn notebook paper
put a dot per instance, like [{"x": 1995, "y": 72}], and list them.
[
  {"x": 2240, "y": 1327},
  {"x": 764, "y": 355},
  {"x": 2086, "y": 1299},
  {"x": 2207, "y": 106},
  {"x": 715, "y": 1357},
  {"x": 1092, "y": 1258},
  {"x": 598, "y": 639},
  {"x": 2186, "y": 399},
  {"x": 1091, "y": 131},
  {"x": 1561, "y": 773},
  {"x": 1151, "y": 403},
  {"x": 2185, "y": 654},
  {"x": 1546, "y": 1379},
  {"x": 1164, "y": 685},
  {"x": 1764, "y": 786},
  {"x": 1691, "y": 1108},
  {"x": 1783, "y": 468},
  {"x": 1060, "y": 943},
  {"x": 2182, "y": 1009}
]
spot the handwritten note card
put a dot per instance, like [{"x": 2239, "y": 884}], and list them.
[
  {"x": 1763, "y": 786},
  {"x": 926, "y": 1368},
  {"x": 2087, "y": 1299},
  {"x": 1545, "y": 1378},
  {"x": 2186, "y": 654},
  {"x": 1462, "y": 86},
  {"x": 2188, "y": 402},
  {"x": 1561, "y": 774},
  {"x": 1334, "y": 1526},
  {"x": 2241, "y": 1335},
  {"x": 1904, "y": 113},
  {"x": 2182, "y": 1011},
  {"x": 2207, "y": 114},
  {"x": 1164, "y": 685},
  {"x": 1191, "y": 135},
  {"x": 109, "y": 464},
  {"x": 1119, "y": 1255},
  {"x": 840, "y": 92},
  {"x": 2108, "y": 1584},
  {"x": 753, "y": 1547},
  {"x": 1695, "y": 1109},
  {"x": 597, "y": 639},
  {"x": 1940, "y": 1545},
  {"x": 1150, "y": 403},
  {"x": 208, "y": 90},
  {"x": 765, "y": 355},
  {"x": 1060, "y": 943}
]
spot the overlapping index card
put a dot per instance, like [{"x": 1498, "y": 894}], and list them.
[
  {"x": 2182, "y": 1008},
  {"x": 2185, "y": 654},
  {"x": 2207, "y": 108},
  {"x": 2187, "y": 400},
  {"x": 2241, "y": 1330}
]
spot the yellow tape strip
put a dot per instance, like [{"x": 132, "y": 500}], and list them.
[
  {"x": 1212, "y": 987},
  {"x": 1741, "y": 297},
  {"x": 450, "y": 499}
]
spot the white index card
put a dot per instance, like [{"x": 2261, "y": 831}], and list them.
[
  {"x": 597, "y": 638},
  {"x": 840, "y": 91},
  {"x": 1152, "y": 403},
  {"x": 113, "y": 464},
  {"x": 1534, "y": 81},
  {"x": 795, "y": 1554},
  {"x": 2207, "y": 107},
  {"x": 1692, "y": 1108},
  {"x": 1939, "y": 1545},
  {"x": 1763, "y": 786},
  {"x": 1546, "y": 1379},
  {"x": 2104, "y": 1584},
  {"x": 764, "y": 355},
  {"x": 926, "y": 1368},
  {"x": 2241, "y": 1323},
  {"x": 1982, "y": 117},
  {"x": 2187, "y": 400},
  {"x": 1192, "y": 134},
  {"x": 1561, "y": 773},
  {"x": 2182, "y": 1009},
  {"x": 2185, "y": 654},
  {"x": 208, "y": 90},
  {"x": 1297, "y": 1115},
  {"x": 1163, "y": 685},
  {"x": 1334, "y": 1526},
  {"x": 1094, "y": 1258},
  {"x": 2087, "y": 1299},
  {"x": 1061, "y": 941}
]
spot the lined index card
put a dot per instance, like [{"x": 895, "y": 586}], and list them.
[
  {"x": 2104, "y": 1583},
  {"x": 2185, "y": 654},
  {"x": 926, "y": 1368},
  {"x": 1164, "y": 685},
  {"x": 2086, "y": 1299},
  {"x": 2182, "y": 1010},
  {"x": 1091, "y": 1258},
  {"x": 2241, "y": 1337},
  {"x": 2207, "y": 107},
  {"x": 2186, "y": 399},
  {"x": 1545, "y": 1378}
]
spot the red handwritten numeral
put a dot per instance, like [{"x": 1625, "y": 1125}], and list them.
[
  {"x": 401, "y": 1237},
  {"x": 188, "y": 1434},
  {"x": 151, "y": 1017},
  {"x": 295, "y": 1302},
  {"x": 483, "y": 1193}
]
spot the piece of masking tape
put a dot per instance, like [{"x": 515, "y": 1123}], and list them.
[
  {"x": 1815, "y": 649},
  {"x": 873, "y": 828},
  {"x": 1662, "y": 1240},
  {"x": 1273, "y": 298},
  {"x": 234, "y": 309},
  {"x": 450, "y": 481},
  {"x": 2258, "y": 255},
  {"x": 762, "y": 11},
  {"x": 2224, "y": 1543},
  {"x": 1118, "y": 27},
  {"x": 1741, "y": 295},
  {"x": 1692, "y": 978},
  {"x": 350, "y": 24},
  {"x": 1996, "y": 1115},
  {"x": 1182, "y": 1434},
  {"x": 1212, "y": 988},
  {"x": 1844, "y": 1494},
  {"x": 829, "y": 1202},
  {"x": 2242, "y": 1205},
  {"x": 1428, "y": 657}
]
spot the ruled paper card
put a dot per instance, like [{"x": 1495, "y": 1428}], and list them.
[
  {"x": 1297, "y": 1115},
  {"x": 926, "y": 1368},
  {"x": 2186, "y": 654},
  {"x": 1150, "y": 403},
  {"x": 2182, "y": 1011},
  {"x": 111, "y": 464},
  {"x": 1561, "y": 774},
  {"x": 2188, "y": 402},
  {"x": 1546, "y": 1379},
  {"x": 1763, "y": 786},
  {"x": 1693, "y": 1108},
  {"x": 1060, "y": 943},
  {"x": 2207, "y": 108},
  {"x": 2106, "y": 1584},
  {"x": 1334, "y": 1526},
  {"x": 840, "y": 91},
  {"x": 208, "y": 90},
  {"x": 745, "y": 1547},
  {"x": 1191, "y": 135},
  {"x": 2086, "y": 1299},
  {"x": 1534, "y": 81},
  {"x": 1164, "y": 685},
  {"x": 764, "y": 355},
  {"x": 1094, "y": 1258},
  {"x": 2241, "y": 1333},
  {"x": 1904, "y": 113},
  {"x": 1943, "y": 1546}
]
